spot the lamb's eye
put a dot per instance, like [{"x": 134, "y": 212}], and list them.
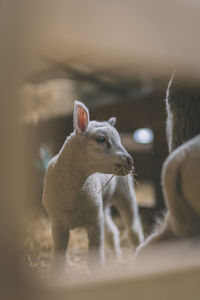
[{"x": 101, "y": 139}]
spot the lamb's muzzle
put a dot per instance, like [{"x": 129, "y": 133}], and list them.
[{"x": 126, "y": 164}]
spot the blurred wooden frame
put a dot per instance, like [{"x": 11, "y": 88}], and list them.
[{"x": 177, "y": 281}]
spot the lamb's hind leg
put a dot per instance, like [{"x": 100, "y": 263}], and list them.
[
  {"x": 60, "y": 236},
  {"x": 126, "y": 203},
  {"x": 112, "y": 232},
  {"x": 133, "y": 226}
]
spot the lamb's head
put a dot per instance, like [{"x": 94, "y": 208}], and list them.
[{"x": 100, "y": 144}]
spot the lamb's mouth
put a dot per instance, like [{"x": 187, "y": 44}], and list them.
[{"x": 121, "y": 170}]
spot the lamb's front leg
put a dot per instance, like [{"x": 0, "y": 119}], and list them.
[
  {"x": 96, "y": 243},
  {"x": 60, "y": 236}
]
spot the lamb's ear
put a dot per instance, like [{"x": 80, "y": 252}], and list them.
[
  {"x": 81, "y": 117},
  {"x": 112, "y": 121}
]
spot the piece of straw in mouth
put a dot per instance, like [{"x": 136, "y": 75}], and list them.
[
  {"x": 131, "y": 173},
  {"x": 107, "y": 183},
  {"x": 134, "y": 173},
  {"x": 109, "y": 180},
  {"x": 126, "y": 179}
]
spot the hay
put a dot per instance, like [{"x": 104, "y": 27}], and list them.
[{"x": 38, "y": 246}]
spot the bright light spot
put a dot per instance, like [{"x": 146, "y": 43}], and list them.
[{"x": 143, "y": 135}]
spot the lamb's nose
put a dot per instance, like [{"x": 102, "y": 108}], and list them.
[{"x": 129, "y": 161}]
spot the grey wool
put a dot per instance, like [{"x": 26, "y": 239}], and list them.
[{"x": 181, "y": 169}]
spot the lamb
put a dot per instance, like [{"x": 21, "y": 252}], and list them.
[{"x": 75, "y": 192}]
